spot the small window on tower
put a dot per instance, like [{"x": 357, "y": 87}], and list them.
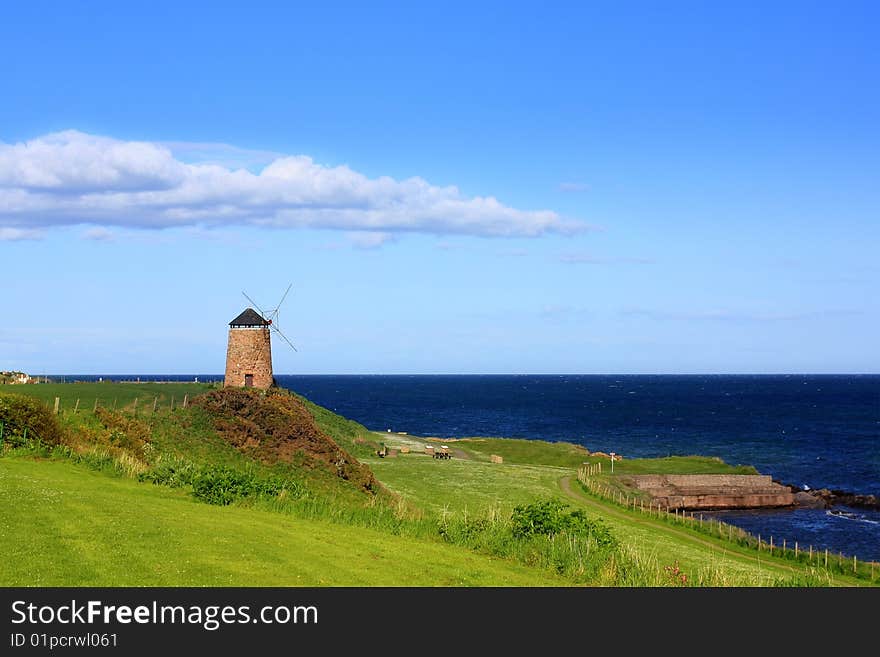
[{"x": 248, "y": 380}]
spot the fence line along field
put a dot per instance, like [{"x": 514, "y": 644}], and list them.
[{"x": 115, "y": 395}]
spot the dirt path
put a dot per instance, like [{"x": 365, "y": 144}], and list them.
[{"x": 565, "y": 485}]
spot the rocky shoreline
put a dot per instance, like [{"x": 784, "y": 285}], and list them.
[{"x": 824, "y": 498}]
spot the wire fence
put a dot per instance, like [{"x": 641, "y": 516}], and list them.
[{"x": 589, "y": 476}]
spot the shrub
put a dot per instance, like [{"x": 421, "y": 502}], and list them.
[
  {"x": 124, "y": 432},
  {"x": 23, "y": 418},
  {"x": 222, "y": 485},
  {"x": 172, "y": 473},
  {"x": 542, "y": 534},
  {"x": 549, "y": 517}
]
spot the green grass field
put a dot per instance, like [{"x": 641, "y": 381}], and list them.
[
  {"x": 65, "y": 524},
  {"x": 475, "y": 486},
  {"x": 458, "y": 485},
  {"x": 111, "y": 394}
]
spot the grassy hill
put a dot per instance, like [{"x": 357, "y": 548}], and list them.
[
  {"x": 65, "y": 525},
  {"x": 121, "y": 501},
  {"x": 464, "y": 486}
]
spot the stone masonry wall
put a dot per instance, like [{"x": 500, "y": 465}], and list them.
[
  {"x": 697, "y": 480},
  {"x": 713, "y": 491},
  {"x": 249, "y": 351}
]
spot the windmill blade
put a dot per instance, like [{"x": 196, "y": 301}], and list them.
[
  {"x": 255, "y": 304},
  {"x": 284, "y": 337},
  {"x": 283, "y": 297}
]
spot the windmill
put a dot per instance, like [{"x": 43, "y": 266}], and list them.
[
  {"x": 272, "y": 317},
  {"x": 249, "y": 350}
]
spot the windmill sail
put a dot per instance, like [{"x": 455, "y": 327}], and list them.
[{"x": 271, "y": 318}]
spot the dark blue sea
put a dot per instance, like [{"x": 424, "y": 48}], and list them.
[{"x": 806, "y": 430}]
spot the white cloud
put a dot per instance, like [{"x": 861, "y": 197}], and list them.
[
  {"x": 99, "y": 234},
  {"x": 18, "y": 234},
  {"x": 70, "y": 178},
  {"x": 225, "y": 155},
  {"x": 364, "y": 239}
]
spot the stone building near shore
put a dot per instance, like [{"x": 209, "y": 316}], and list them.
[{"x": 249, "y": 352}]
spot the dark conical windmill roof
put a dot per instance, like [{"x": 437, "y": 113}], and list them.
[{"x": 249, "y": 317}]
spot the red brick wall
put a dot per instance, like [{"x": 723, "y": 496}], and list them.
[{"x": 249, "y": 352}]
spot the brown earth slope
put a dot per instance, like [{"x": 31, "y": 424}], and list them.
[{"x": 273, "y": 425}]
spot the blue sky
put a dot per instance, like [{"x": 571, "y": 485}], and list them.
[{"x": 457, "y": 188}]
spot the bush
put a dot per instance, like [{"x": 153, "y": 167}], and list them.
[
  {"x": 123, "y": 432},
  {"x": 223, "y": 485},
  {"x": 172, "y": 473},
  {"x": 549, "y": 518},
  {"x": 25, "y": 418},
  {"x": 543, "y": 534}
]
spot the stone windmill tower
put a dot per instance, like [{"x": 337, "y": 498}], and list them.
[{"x": 249, "y": 350}]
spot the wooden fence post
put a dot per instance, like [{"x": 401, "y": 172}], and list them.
[
  {"x": 95, "y": 409},
  {"x": 172, "y": 402},
  {"x": 76, "y": 408},
  {"x": 155, "y": 401},
  {"x": 135, "y": 407},
  {"x": 57, "y": 405},
  {"x": 185, "y": 398}
]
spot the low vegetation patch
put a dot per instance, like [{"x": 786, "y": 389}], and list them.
[
  {"x": 23, "y": 418},
  {"x": 273, "y": 425},
  {"x": 679, "y": 465},
  {"x": 222, "y": 484},
  {"x": 543, "y": 534},
  {"x": 124, "y": 431},
  {"x": 551, "y": 517},
  {"x": 527, "y": 452}
]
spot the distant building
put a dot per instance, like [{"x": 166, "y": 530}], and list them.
[
  {"x": 249, "y": 352},
  {"x": 15, "y": 377}
]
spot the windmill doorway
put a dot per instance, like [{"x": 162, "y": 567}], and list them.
[{"x": 248, "y": 380}]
